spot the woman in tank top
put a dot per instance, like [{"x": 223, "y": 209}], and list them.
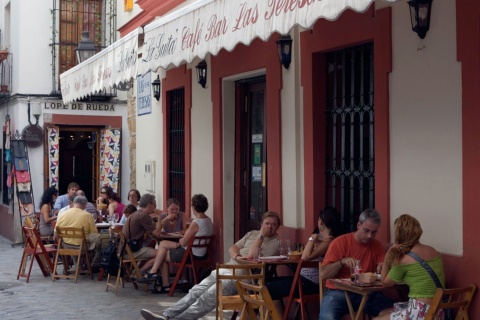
[{"x": 173, "y": 251}]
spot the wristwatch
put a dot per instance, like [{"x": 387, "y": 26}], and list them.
[{"x": 261, "y": 237}]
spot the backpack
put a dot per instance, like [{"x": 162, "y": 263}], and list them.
[{"x": 110, "y": 262}]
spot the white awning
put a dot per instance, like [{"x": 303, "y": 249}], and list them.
[
  {"x": 115, "y": 64},
  {"x": 207, "y": 26},
  {"x": 204, "y": 26}
]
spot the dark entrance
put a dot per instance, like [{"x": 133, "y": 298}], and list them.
[
  {"x": 251, "y": 145},
  {"x": 78, "y": 159}
]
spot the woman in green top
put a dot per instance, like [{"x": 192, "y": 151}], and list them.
[{"x": 399, "y": 267}]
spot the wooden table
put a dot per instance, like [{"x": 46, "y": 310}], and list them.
[
  {"x": 105, "y": 225},
  {"x": 364, "y": 290},
  {"x": 271, "y": 265},
  {"x": 173, "y": 236}
]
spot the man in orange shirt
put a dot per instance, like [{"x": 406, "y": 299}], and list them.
[{"x": 341, "y": 255}]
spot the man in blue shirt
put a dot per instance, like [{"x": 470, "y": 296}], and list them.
[{"x": 62, "y": 201}]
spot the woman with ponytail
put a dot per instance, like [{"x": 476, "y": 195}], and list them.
[{"x": 401, "y": 267}]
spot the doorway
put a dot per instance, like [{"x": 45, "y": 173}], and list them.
[
  {"x": 78, "y": 159},
  {"x": 251, "y": 162}
]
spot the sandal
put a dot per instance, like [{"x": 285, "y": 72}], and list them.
[
  {"x": 148, "y": 278},
  {"x": 161, "y": 289}
]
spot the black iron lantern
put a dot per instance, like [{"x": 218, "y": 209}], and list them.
[
  {"x": 202, "y": 73},
  {"x": 420, "y": 16},
  {"x": 284, "y": 45},
  {"x": 156, "y": 84},
  {"x": 86, "y": 48}
]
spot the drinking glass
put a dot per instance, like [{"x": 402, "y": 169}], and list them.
[
  {"x": 288, "y": 246},
  {"x": 257, "y": 254},
  {"x": 115, "y": 217},
  {"x": 358, "y": 270},
  {"x": 281, "y": 246}
]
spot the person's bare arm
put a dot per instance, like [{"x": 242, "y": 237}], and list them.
[
  {"x": 310, "y": 252},
  {"x": 191, "y": 232},
  {"x": 45, "y": 210},
  {"x": 234, "y": 252}
]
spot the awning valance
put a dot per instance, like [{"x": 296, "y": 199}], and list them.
[
  {"x": 207, "y": 26},
  {"x": 113, "y": 65},
  {"x": 204, "y": 26}
]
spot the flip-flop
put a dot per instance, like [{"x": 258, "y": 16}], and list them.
[{"x": 161, "y": 289}]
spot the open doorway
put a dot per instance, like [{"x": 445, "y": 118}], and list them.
[{"x": 78, "y": 159}]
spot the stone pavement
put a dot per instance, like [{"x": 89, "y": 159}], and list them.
[{"x": 63, "y": 299}]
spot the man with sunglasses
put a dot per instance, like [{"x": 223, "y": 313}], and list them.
[{"x": 342, "y": 255}]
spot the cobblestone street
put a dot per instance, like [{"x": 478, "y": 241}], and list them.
[{"x": 63, "y": 299}]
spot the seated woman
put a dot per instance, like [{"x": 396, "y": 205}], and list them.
[
  {"x": 115, "y": 204},
  {"x": 102, "y": 201},
  {"x": 173, "y": 220},
  {"x": 400, "y": 267},
  {"x": 173, "y": 251},
  {"x": 316, "y": 246},
  {"x": 47, "y": 212},
  {"x": 134, "y": 196}
]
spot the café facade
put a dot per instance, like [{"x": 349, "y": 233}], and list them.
[{"x": 366, "y": 114}]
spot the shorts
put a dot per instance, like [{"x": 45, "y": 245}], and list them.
[
  {"x": 415, "y": 310},
  {"x": 176, "y": 255},
  {"x": 144, "y": 253}
]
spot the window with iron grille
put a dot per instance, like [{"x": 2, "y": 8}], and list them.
[
  {"x": 350, "y": 163},
  {"x": 176, "y": 142},
  {"x": 70, "y": 18}
]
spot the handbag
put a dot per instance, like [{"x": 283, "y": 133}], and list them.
[
  {"x": 448, "y": 315},
  {"x": 110, "y": 261},
  {"x": 26, "y": 208},
  {"x": 22, "y": 176},
  {"x": 134, "y": 245},
  {"x": 25, "y": 197},
  {"x": 24, "y": 187},
  {"x": 21, "y": 164},
  {"x": 18, "y": 148},
  {"x": 8, "y": 155}
]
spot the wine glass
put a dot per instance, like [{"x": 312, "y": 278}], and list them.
[
  {"x": 288, "y": 246},
  {"x": 115, "y": 217},
  {"x": 281, "y": 247}
]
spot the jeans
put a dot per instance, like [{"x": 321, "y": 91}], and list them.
[
  {"x": 201, "y": 299},
  {"x": 334, "y": 304}
]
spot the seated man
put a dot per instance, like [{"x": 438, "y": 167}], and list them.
[
  {"x": 69, "y": 206},
  {"x": 77, "y": 217},
  {"x": 90, "y": 207},
  {"x": 341, "y": 256},
  {"x": 62, "y": 201},
  {"x": 140, "y": 223},
  {"x": 201, "y": 299}
]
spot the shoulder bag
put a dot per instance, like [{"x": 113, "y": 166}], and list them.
[
  {"x": 134, "y": 245},
  {"x": 448, "y": 312}
]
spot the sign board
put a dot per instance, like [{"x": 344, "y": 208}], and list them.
[
  {"x": 144, "y": 94},
  {"x": 33, "y": 136}
]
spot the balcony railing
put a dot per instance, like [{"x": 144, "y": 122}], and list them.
[{"x": 5, "y": 74}]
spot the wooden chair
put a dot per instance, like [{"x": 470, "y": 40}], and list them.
[
  {"x": 321, "y": 285},
  {"x": 130, "y": 264},
  {"x": 189, "y": 260},
  {"x": 458, "y": 299},
  {"x": 256, "y": 297},
  {"x": 34, "y": 249},
  {"x": 253, "y": 273},
  {"x": 115, "y": 236},
  {"x": 297, "y": 287},
  {"x": 64, "y": 250}
]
